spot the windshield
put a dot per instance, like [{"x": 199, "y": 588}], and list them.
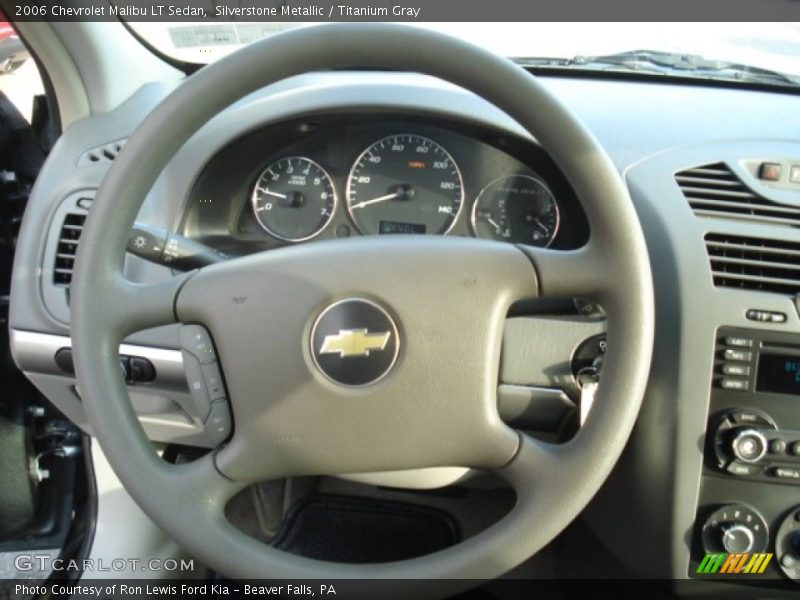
[{"x": 773, "y": 47}]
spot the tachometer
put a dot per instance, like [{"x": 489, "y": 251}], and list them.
[
  {"x": 294, "y": 199},
  {"x": 516, "y": 208},
  {"x": 405, "y": 183}
]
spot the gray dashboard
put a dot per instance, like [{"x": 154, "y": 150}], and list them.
[{"x": 651, "y": 131}]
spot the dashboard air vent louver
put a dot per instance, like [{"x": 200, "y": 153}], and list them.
[
  {"x": 67, "y": 248},
  {"x": 102, "y": 154},
  {"x": 715, "y": 191},
  {"x": 754, "y": 263}
]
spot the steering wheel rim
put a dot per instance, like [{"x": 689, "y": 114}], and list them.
[{"x": 553, "y": 483}]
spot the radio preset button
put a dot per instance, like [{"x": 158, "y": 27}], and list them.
[
  {"x": 738, "y": 355},
  {"x": 742, "y": 469},
  {"x": 777, "y": 446},
  {"x": 734, "y": 384},
  {"x": 786, "y": 472},
  {"x": 739, "y": 342},
  {"x": 736, "y": 369}
]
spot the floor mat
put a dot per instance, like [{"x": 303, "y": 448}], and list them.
[{"x": 351, "y": 529}]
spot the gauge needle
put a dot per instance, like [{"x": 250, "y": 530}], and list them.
[
  {"x": 488, "y": 216},
  {"x": 376, "y": 200},
  {"x": 541, "y": 225},
  {"x": 271, "y": 193},
  {"x": 494, "y": 224}
]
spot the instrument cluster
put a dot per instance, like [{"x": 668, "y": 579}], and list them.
[{"x": 342, "y": 175}]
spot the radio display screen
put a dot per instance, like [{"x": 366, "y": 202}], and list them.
[{"x": 779, "y": 374}]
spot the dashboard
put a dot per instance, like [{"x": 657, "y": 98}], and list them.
[
  {"x": 366, "y": 173},
  {"x": 691, "y": 157}
]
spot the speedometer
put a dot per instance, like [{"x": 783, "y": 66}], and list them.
[{"x": 405, "y": 183}]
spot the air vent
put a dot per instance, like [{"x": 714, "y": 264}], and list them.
[
  {"x": 754, "y": 264},
  {"x": 102, "y": 154},
  {"x": 67, "y": 248},
  {"x": 715, "y": 191}
]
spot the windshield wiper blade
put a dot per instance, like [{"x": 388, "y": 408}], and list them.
[{"x": 667, "y": 63}]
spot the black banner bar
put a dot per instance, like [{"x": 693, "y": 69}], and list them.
[
  {"x": 502, "y": 589},
  {"x": 321, "y": 11}
]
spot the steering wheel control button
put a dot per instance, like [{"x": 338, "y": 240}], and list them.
[
  {"x": 197, "y": 385},
  {"x": 213, "y": 381},
  {"x": 749, "y": 445},
  {"x": 218, "y": 423},
  {"x": 354, "y": 342},
  {"x": 202, "y": 371},
  {"x": 197, "y": 341}
]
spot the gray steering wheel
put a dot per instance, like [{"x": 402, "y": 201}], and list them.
[{"x": 437, "y": 406}]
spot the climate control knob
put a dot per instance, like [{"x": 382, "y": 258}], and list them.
[
  {"x": 735, "y": 528},
  {"x": 737, "y": 538},
  {"x": 787, "y": 544},
  {"x": 748, "y": 445}
]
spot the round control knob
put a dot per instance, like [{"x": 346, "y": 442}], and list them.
[
  {"x": 735, "y": 528},
  {"x": 739, "y": 441},
  {"x": 749, "y": 445},
  {"x": 737, "y": 538},
  {"x": 787, "y": 544}
]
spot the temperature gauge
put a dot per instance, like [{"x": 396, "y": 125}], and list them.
[{"x": 516, "y": 208}]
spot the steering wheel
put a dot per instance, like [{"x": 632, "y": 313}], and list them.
[{"x": 445, "y": 301}]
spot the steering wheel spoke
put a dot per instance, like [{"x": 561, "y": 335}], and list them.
[
  {"x": 569, "y": 273},
  {"x": 131, "y": 307}
]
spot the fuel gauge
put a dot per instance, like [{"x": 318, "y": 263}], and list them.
[{"x": 516, "y": 208}]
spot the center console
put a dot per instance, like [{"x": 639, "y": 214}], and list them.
[{"x": 748, "y": 518}]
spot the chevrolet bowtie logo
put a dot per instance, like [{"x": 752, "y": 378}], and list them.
[{"x": 354, "y": 342}]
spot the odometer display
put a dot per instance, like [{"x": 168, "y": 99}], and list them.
[
  {"x": 294, "y": 199},
  {"x": 405, "y": 178},
  {"x": 393, "y": 227}
]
